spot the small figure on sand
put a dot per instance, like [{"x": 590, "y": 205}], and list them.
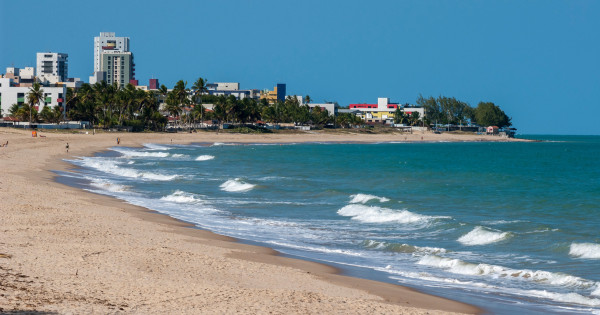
[
  {"x": 118, "y": 140},
  {"x": 5, "y": 144},
  {"x": 67, "y": 147}
]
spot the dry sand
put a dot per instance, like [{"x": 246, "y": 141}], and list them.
[{"x": 66, "y": 250}]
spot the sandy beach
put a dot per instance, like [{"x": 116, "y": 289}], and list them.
[{"x": 66, "y": 250}]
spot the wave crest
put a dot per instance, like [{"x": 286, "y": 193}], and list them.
[
  {"x": 205, "y": 158},
  {"x": 152, "y": 146},
  {"x": 401, "y": 248},
  {"x": 585, "y": 250},
  {"x": 461, "y": 267},
  {"x": 364, "y": 198},
  {"x": 108, "y": 185},
  {"x": 112, "y": 167},
  {"x": 372, "y": 214},
  {"x": 481, "y": 236},
  {"x": 135, "y": 153},
  {"x": 181, "y": 197},
  {"x": 236, "y": 185}
]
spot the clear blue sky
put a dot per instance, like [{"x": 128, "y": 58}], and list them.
[{"x": 538, "y": 60}]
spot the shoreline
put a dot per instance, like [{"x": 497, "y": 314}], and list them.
[{"x": 306, "y": 284}]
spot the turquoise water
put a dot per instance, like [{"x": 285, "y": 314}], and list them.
[{"x": 510, "y": 227}]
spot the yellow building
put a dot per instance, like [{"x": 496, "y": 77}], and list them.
[{"x": 278, "y": 93}]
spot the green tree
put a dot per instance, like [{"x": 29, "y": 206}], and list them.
[
  {"x": 34, "y": 96},
  {"x": 181, "y": 94},
  {"x": 172, "y": 106},
  {"x": 320, "y": 116},
  {"x": 414, "y": 118},
  {"x": 53, "y": 115},
  {"x": 199, "y": 88},
  {"x": 445, "y": 110},
  {"x": 400, "y": 117},
  {"x": 488, "y": 114}
]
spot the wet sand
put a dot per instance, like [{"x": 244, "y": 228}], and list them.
[{"x": 66, "y": 250}]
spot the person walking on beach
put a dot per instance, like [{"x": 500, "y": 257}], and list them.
[
  {"x": 67, "y": 147},
  {"x": 118, "y": 140}
]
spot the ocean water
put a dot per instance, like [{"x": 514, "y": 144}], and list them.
[{"x": 510, "y": 227}]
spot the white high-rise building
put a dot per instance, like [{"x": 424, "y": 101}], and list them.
[
  {"x": 107, "y": 42},
  {"x": 52, "y": 67}
]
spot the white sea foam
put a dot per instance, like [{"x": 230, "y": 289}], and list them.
[
  {"x": 402, "y": 248},
  {"x": 498, "y": 222},
  {"x": 205, "y": 158},
  {"x": 481, "y": 236},
  {"x": 465, "y": 268},
  {"x": 177, "y": 155},
  {"x": 181, "y": 197},
  {"x": 564, "y": 297},
  {"x": 372, "y": 214},
  {"x": 236, "y": 185},
  {"x": 108, "y": 185},
  {"x": 321, "y": 249},
  {"x": 112, "y": 167},
  {"x": 364, "y": 198},
  {"x": 136, "y": 153},
  {"x": 152, "y": 146},
  {"x": 585, "y": 250}
]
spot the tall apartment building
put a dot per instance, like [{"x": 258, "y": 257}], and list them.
[
  {"x": 118, "y": 66},
  {"x": 108, "y": 50},
  {"x": 107, "y": 41},
  {"x": 52, "y": 67}
]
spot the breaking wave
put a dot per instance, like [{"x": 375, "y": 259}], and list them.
[
  {"x": 108, "y": 185},
  {"x": 112, "y": 167},
  {"x": 481, "y": 236},
  {"x": 363, "y": 198},
  {"x": 465, "y": 268},
  {"x": 565, "y": 297},
  {"x": 401, "y": 248},
  {"x": 205, "y": 158},
  {"x": 181, "y": 197},
  {"x": 585, "y": 250},
  {"x": 236, "y": 185},
  {"x": 152, "y": 146},
  {"x": 135, "y": 153},
  {"x": 372, "y": 214}
]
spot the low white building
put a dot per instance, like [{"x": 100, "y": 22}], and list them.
[
  {"x": 10, "y": 94},
  {"x": 231, "y": 88},
  {"x": 52, "y": 67},
  {"x": 330, "y": 107},
  {"x": 20, "y": 75},
  {"x": 223, "y": 86}
]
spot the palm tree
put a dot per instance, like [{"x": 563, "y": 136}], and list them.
[
  {"x": 163, "y": 92},
  {"x": 35, "y": 96},
  {"x": 181, "y": 94},
  {"x": 199, "y": 88},
  {"x": 307, "y": 99},
  {"x": 173, "y": 106}
]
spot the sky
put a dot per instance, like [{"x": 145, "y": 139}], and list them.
[{"x": 538, "y": 60}]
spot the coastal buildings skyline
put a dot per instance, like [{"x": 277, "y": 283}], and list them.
[{"x": 534, "y": 58}]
